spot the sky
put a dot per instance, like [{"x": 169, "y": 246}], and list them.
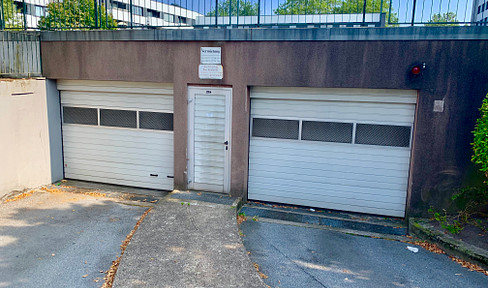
[{"x": 403, "y": 8}]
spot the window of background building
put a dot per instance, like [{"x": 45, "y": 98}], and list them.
[
  {"x": 137, "y": 10},
  {"x": 39, "y": 11}
]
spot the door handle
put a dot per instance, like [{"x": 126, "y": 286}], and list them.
[{"x": 226, "y": 142}]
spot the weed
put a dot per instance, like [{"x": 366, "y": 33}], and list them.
[
  {"x": 241, "y": 217},
  {"x": 478, "y": 223},
  {"x": 454, "y": 226},
  {"x": 255, "y": 218}
]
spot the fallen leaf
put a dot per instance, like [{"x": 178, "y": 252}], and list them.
[
  {"x": 84, "y": 276},
  {"x": 429, "y": 246},
  {"x": 240, "y": 219},
  {"x": 470, "y": 266},
  {"x": 20, "y": 196},
  {"x": 110, "y": 273}
]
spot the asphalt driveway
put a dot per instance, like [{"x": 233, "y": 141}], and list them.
[
  {"x": 293, "y": 256},
  {"x": 60, "y": 239}
]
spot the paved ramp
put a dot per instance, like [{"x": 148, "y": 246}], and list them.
[{"x": 187, "y": 243}]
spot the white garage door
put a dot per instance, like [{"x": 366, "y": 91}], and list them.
[
  {"x": 344, "y": 149},
  {"x": 118, "y": 132}
]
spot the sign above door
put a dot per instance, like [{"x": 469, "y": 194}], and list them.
[{"x": 210, "y": 63}]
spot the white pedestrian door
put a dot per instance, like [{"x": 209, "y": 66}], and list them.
[{"x": 209, "y": 125}]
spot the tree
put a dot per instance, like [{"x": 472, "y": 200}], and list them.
[
  {"x": 246, "y": 8},
  {"x": 300, "y": 7},
  {"x": 444, "y": 19},
  {"x": 10, "y": 16},
  {"x": 70, "y": 14}
]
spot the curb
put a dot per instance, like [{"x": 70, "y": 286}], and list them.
[
  {"x": 328, "y": 220},
  {"x": 453, "y": 246}
]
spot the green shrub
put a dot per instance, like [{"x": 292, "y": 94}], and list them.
[
  {"x": 480, "y": 142},
  {"x": 471, "y": 200}
]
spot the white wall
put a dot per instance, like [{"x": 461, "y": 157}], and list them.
[{"x": 25, "y": 159}]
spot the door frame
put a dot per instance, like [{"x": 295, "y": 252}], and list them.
[{"x": 190, "y": 152}]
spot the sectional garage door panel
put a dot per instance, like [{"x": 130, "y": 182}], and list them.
[
  {"x": 118, "y": 132},
  {"x": 344, "y": 155},
  {"x": 346, "y": 111}
]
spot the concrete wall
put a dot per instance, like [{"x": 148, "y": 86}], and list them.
[
  {"x": 55, "y": 134},
  {"x": 25, "y": 145},
  {"x": 455, "y": 72}
]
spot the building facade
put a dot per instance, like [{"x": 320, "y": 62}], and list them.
[
  {"x": 144, "y": 13},
  {"x": 479, "y": 13},
  {"x": 328, "y": 118}
]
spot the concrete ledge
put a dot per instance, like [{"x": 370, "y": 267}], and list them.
[
  {"x": 335, "y": 220},
  {"x": 453, "y": 246},
  {"x": 269, "y": 34}
]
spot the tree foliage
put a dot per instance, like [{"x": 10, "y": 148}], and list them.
[
  {"x": 246, "y": 8},
  {"x": 11, "y": 15},
  {"x": 70, "y": 14},
  {"x": 444, "y": 19},
  {"x": 300, "y": 7},
  {"x": 480, "y": 141}
]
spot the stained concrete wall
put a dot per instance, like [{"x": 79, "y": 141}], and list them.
[
  {"x": 25, "y": 145},
  {"x": 455, "y": 72},
  {"x": 55, "y": 134}
]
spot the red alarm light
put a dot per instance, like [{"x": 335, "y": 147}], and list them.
[{"x": 416, "y": 70}]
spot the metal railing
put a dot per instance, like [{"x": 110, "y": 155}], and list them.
[
  {"x": 137, "y": 14},
  {"x": 20, "y": 54}
]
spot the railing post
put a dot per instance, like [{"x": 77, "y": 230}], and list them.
[
  {"x": 381, "y": 20},
  {"x": 2, "y": 16},
  {"x": 364, "y": 12},
  {"x": 237, "y": 11},
  {"x": 106, "y": 14},
  {"x": 389, "y": 13},
  {"x": 259, "y": 12},
  {"x": 230, "y": 13},
  {"x": 130, "y": 12},
  {"x": 216, "y": 11},
  {"x": 24, "y": 13},
  {"x": 413, "y": 12},
  {"x": 95, "y": 4}
]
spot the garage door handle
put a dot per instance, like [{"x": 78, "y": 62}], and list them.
[
  {"x": 226, "y": 142},
  {"x": 153, "y": 175},
  {"x": 170, "y": 177}
]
